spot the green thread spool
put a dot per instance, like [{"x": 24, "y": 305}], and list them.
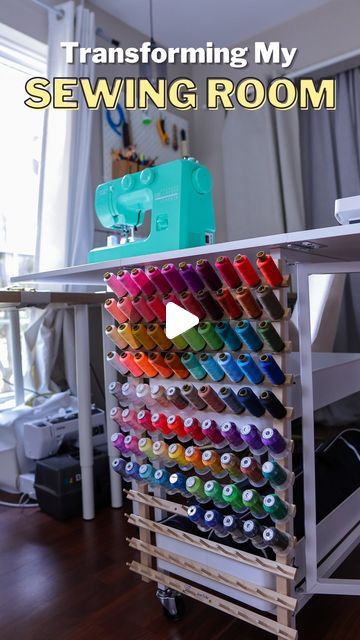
[
  {"x": 269, "y": 333},
  {"x": 213, "y": 490},
  {"x": 253, "y": 501},
  {"x": 275, "y": 507},
  {"x": 180, "y": 343},
  {"x": 232, "y": 496},
  {"x": 213, "y": 340},
  {"x": 195, "y": 486},
  {"x": 278, "y": 477},
  {"x": 190, "y": 361},
  {"x": 194, "y": 339}
]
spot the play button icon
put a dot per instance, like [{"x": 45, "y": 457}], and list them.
[{"x": 178, "y": 320}]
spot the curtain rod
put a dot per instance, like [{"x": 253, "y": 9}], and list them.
[
  {"x": 58, "y": 12},
  {"x": 321, "y": 66}
]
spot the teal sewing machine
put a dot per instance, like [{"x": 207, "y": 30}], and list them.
[{"x": 170, "y": 206}]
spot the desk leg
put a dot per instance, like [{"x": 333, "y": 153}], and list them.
[
  {"x": 82, "y": 354},
  {"x": 15, "y": 342}
]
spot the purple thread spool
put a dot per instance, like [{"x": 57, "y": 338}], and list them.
[
  {"x": 231, "y": 433},
  {"x": 209, "y": 274},
  {"x": 174, "y": 278},
  {"x": 117, "y": 440},
  {"x": 251, "y": 435},
  {"x": 209, "y": 429},
  {"x": 131, "y": 446},
  {"x": 191, "y": 277},
  {"x": 275, "y": 443}
]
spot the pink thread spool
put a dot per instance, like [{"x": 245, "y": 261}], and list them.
[
  {"x": 117, "y": 440},
  {"x": 158, "y": 279},
  {"x": 157, "y": 307},
  {"x": 131, "y": 445},
  {"x": 116, "y": 415},
  {"x": 128, "y": 361},
  {"x": 142, "y": 281},
  {"x": 127, "y": 308},
  {"x": 174, "y": 277},
  {"x": 116, "y": 361},
  {"x": 144, "y": 419},
  {"x": 211, "y": 431},
  {"x": 128, "y": 417},
  {"x": 127, "y": 281},
  {"x": 143, "y": 308},
  {"x": 115, "y": 311},
  {"x": 115, "y": 284}
]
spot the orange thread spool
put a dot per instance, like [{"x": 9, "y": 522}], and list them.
[
  {"x": 248, "y": 302},
  {"x": 269, "y": 269},
  {"x": 174, "y": 362},
  {"x": 160, "y": 365},
  {"x": 143, "y": 361},
  {"x": 128, "y": 359}
]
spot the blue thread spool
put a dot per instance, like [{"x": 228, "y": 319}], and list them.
[
  {"x": 251, "y": 402},
  {"x": 196, "y": 514},
  {"x": 278, "y": 477},
  {"x": 228, "y": 335},
  {"x": 119, "y": 464},
  {"x": 177, "y": 483},
  {"x": 132, "y": 470},
  {"x": 161, "y": 478},
  {"x": 250, "y": 369},
  {"x": 215, "y": 520},
  {"x": 146, "y": 473},
  {"x": 228, "y": 395},
  {"x": 211, "y": 367},
  {"x": 233, "y": 525},
  {"x": 271, "y": 369},
  {"x": 228, "y": 364},
  {"x": 192, "y": 364},
  {"x": 248, "y": 335}
]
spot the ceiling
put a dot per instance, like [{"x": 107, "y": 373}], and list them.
[{"x": 194, "y": 22}]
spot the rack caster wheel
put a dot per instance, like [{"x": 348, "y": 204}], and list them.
[{"x": 172, "y": 603}]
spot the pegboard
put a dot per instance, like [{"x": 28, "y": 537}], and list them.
[{"x": 144, "y": 137}]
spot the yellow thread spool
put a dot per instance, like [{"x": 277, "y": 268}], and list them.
[
  {"x": 125, "y": 332},
  {"x": 112, "y": 333},
  {"x": 158, "y": 335},
  {"x": 140, "y": 333}
]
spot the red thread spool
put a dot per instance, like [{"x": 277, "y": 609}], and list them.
[
  {"x": 143, "y": 308},
  {"x": 157, "y": 307},
  {"x": 252, "y": 469},
  {"x": 158, "y": 362},
  {"x": 128, "y": 359},
  {"x": 171, "y": 297},
  {"x": 143, "y": 361},
  {"x": 159, "y": 422},
  {"x": 142, "y": 281},
  {"x": 243, "y": 265},
  {"x": 192, "y": 428},
  {"x": 248, "y": 302},
  {"x": 268, "y": 268},
  {"x": 127, "y": 307},
  {"x": 228, "y": 272},
  {"x": 112, "y": 307},
  {"x": 144, "y": 419},
  {"x": 191, "y": 304},
  {"x": 231, "y": 307},
  {"x": 176, "y": 425}
]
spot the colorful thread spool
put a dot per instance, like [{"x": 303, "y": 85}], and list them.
[
  {"x": 273, "y": 405},
  {"x": 114, "y": 359},
  {"x": 248, "y": 335},
  {"x": 211, "y": 398},
  {"x": 190, "y": 361},
  {"x": 269, "y": 302},
  {"x": 253, "y": 501},
  {"x": 250, "y": 369},
  {"x": 132, "y": 470},
  {"x": 232, "y": 435},
  {"x": 158, "y": 362},
  {"x": 228, "y": 395},
  {"x": 127, "y": 282},
  {"x": 233, "y": 526},
  {"x": 176, "y": 425},
  {"x": 112, "y": 333},
  {"x": 212, "y": 339},
  {"x": 157, "y": 307},
  {"x": 143, "y": 395},
  {"x": 192, "y": 428},
  {"x": 116, "y": 415},
  {"x": 211, "y": 367},
  {"x": 269, "y": 333},
  {"x": 111, "y": 307},
  {"x": 141, "y": 336},
  {"x": 278, "y": 446},
  {"x": 157, "y": 334},
  {"x": 126, "y": 334},
  {"x": 228, "y": 335},
  {"x": 131, "y": 445},
  {"x": 232, "y": 496},
  {"x": 158, "y": 394},
  {"x": 253, "y": 531},
  {"x": 147, "y": 473},
  {"x": 174, "y": 362},
  {"x": 142, "y": 281},
  {"x": 191, "y": 277},
  {"x": 252, "y": 470},
  {"x": 197, "y": 515},
  {"x": 128, "y": 309},
  {"x": 271, "y": 369},
  {"x": 162, "y": 479},
  {"x": 146, "y": 448},
  {"x": 211, "y": 306},
  {"x": 229, "y": 366},
  {"x": 214, "y": 519},
  {"x": 246, "y": 270},
  {"x": 144, "y": 363},
  {"x": 230, "y": 463},
  {"x": 279, "y": 541},
  {"x": 144, "y": 419},
  {"x": 143, "y": 309},
  {"x": 194, "y": 340},
  {"x": 269, "y": 269},
  {"x": 192, "y": 304},
  {"x": 177, "y": 483},
  {"x": 179, "y": 342},
  {"x": 115, "y": 389},
  {"x": 251, "y": 402},
  {"x": 278, "y": 509},
  {"x": 118, "y": 465},
  {"x": 193, "y": 457},
  {"x": 128, "y": 391},
  {"x": 129, "y": 419},
  {"x": 171, "y": 297},
  {"x": 128, "y": 360},
  {"x": 115, "y": 284},
  {"x": 177, "y": 453},
  {"x": 228, "y": 272},
  {"x": 252, "y": 436},
  {"x": 208, "y": 274},
  {"x": 211, "y": 431},
  {"x": 248, "y": 302},
  {"x": 190, "y": 392},
  {"x": 211, "y": 459},
  {"x": 231, "y": 307},
  {"x": 279, "y": 478},
  {"x": 159, "y": 423},
  {"x": 157, "y": 278},
  {"x": 213, "y": 490},
  {"x": 117, "y": 441},
  {"x": 175, "y": 397},
  {"x": 174, "y": 278},
  {"x": 195, "y": 486},
  {"x": 161, "y": 451}
]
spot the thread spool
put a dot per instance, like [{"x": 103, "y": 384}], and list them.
[
  {"x": 157, "y": 278},
  {"x": 161, "y": 452},
  {"x": 143, "y": 309},
  {"x": 159, "y": 423},
  {"x": 143, "y": 395},
  {"x": 229, "y": 366},
  {"x": 127, "y": 281},
  {"x": 117, "y": 441},
  {"x": 272, "y": 369},
  {"x": 193, "y": 457},
  {"x": 211, "y": 367},
  {"x": 173, "y": 277},
  {"x": 230, "y": 463},
  {"x": 252, "y": 470},
  {"x": 191, "y": 277},
  {"x": 111, "y": 307},
  {"x": 211, "y": 460},
  {"x": 246, "y": 270},
  {"x": 279, "y": 541},
  {"x": 112, "y": 333},
  {"x": 208, "y": 274},
  {"x": 162, "y": 478},
  {"x": 144, "y": 363},
  {"x": 171, "y": 297},
  {"x": 248, "y": 335},
  {"x": 125, "y": 333},
  {"x": 231, "y": 307},
  {"x": 228, "y": 335},
  {"x": 190, "y": 361},
  {"x": 279, "y": 478},
  {"x": 115, "y": 414},
  {"x": 129, "y": 361},
  {"x": 179, "y": 342},
  {"x": 132, "y": 470},
  {"x": 176, "y": 424},
  {"x": 144, "y": 419},
  {"x": 212, "y": 339},
  {"x": 248, "y": 302},
  {"x": 273, "y": 405},
  {"x": 174, "y": 362},
  {"x": 195, "y": 486},
  {"x": 142, "y": 281},
  {"x": 192, "y": 428},
  {"x": 233, "y": 525},
  {"x": 211, "y": 398},
  {"x": 213, "y": 490},
  {"x": 211, "y": 431},
  {"x": 278, "y": 509},
  {"x": 129, "y": 419},
  {"x": 232, "y": 435},
  {"x": 253, "y": 531},
  {"x": 228, "y": 272},
  {"x": 128, "y": 390},
  {"x": 115, "y": 284},
  {"x": 269, "y": 333},
  {"x": 269, "y": 269},
  {"x": 114, "y": 359},
  {"x": 252, "y": 436},
  {"x": 211, "y": 306},
  {"x": 157, "y": 334},
  {"x": 140, "y": 335},
  {"x": 278, "y": 446},
  {"x": 229, "y": 396},
  {"x": 158, "y": 362},
  {"x": 177, "y": 483},
  {"x": 146, "y": 448},
  {"x": 253, "y": 501},
  {"x": 147, "y": 473},
  {"x": 115, "y": 389},
  {"x": 250, "y": 369},
  {"x": 177, "y": 453},
  {"x": 214, "y": 519},
  {"x": 192, "y": 304},
  {"x": 232, "y": 496},
  {"x": 175, "y": 397},
  {"x": 194, "y": 340},
  {"x": 269, "y": 302},
  {"x": 251, "y": 402},
  {"x": 190, "y": 392},
  {"x": 131, "y": 445},
  {"x": 197, "y": 515},
  {"x": 158, "y": 394},
  {"x": 157, "y": 307},
  {"x": 127, "y": 308},
  {"x": 118, "y": 465}
]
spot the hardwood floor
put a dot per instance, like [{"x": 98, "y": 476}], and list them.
[{"x": 68, "y": 581}]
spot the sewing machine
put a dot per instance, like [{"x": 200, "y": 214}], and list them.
[{"x": 169, "y": 206}]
